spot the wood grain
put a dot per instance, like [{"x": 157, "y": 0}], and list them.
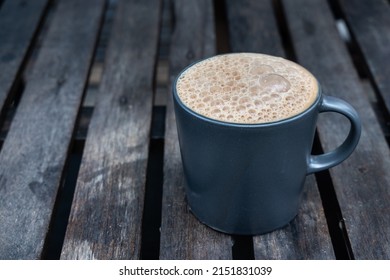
[
  {"x": 253, "y": 28},
  {"x": 304, "y": 238},
  {"x": 361, "y": 182},
  {"x": 106, "y": 215},
  {"x": 370, "y": 24},
  {"x": 19, "y": 21},
  {"x": 182, "y": 235},
  {"x": 34, "y": 153}
]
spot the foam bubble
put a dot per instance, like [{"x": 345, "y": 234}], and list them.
[
  {"x": 274, "y": 82},
  {"x": 247, "y": 88},
  {"x": 260, "y": 69}
]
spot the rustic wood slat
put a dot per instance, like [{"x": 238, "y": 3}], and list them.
[
  {"x": 253, "y": 28},
  {"x": 182, "y": 235},
  {"x": 306, "y": 237},
  {"x": 106, "y": 216},
  {"x": 370, "y": 24},
  {"x": 362, "y": 182},
  {"x": 34, "y": 153},
  {"x": 19, "y": 21}
]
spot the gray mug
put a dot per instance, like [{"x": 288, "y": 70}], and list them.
[{"x": 248, "y": 178}]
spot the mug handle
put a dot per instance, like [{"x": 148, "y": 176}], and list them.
[{"x": 321, "y": 162}]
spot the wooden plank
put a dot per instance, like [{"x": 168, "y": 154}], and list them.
[
  {"x": 306, "y": 237},
  {"x": 370, "y": 24},
  {"x": 361, "y": 182},
  {"x": 253, "y": 28},
  {"x": 19, "y": 21},
  {"x": 34, "y": 153},
  {"x": 106, "y": 217},
  {"x": 182, "y": 235}
]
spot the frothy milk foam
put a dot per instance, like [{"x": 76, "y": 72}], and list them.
[{"x": 247, "y": 88}]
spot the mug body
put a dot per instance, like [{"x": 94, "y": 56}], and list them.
[{"x": 244, "y": 178}]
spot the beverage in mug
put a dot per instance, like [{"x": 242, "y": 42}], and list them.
[
  {"x": 246, "y": 124},
  {"x": 247, "y": 88}
]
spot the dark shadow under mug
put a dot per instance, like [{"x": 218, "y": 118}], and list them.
[{"x": 248, "y": 178}]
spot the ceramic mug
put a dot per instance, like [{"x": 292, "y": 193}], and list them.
[{"x": 248, "y": 178}]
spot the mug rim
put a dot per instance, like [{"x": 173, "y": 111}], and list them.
[{"x": 242, "y": 125}]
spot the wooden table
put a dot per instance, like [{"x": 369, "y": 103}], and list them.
[{"x": 90, "y": 165}]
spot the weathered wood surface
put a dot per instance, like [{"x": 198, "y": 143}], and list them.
[
  {"x": 15, "y": 39},
  {"x": 362, "y": 182},
  {"x": 106, "y": 216},
  {"x": 35, "y": 150},
  {"x": 370, "y": 24},
  {"x": 253, "y": 28},
  {"x": 182, "y": 235},
  {"x": 306, "y": 237}
]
